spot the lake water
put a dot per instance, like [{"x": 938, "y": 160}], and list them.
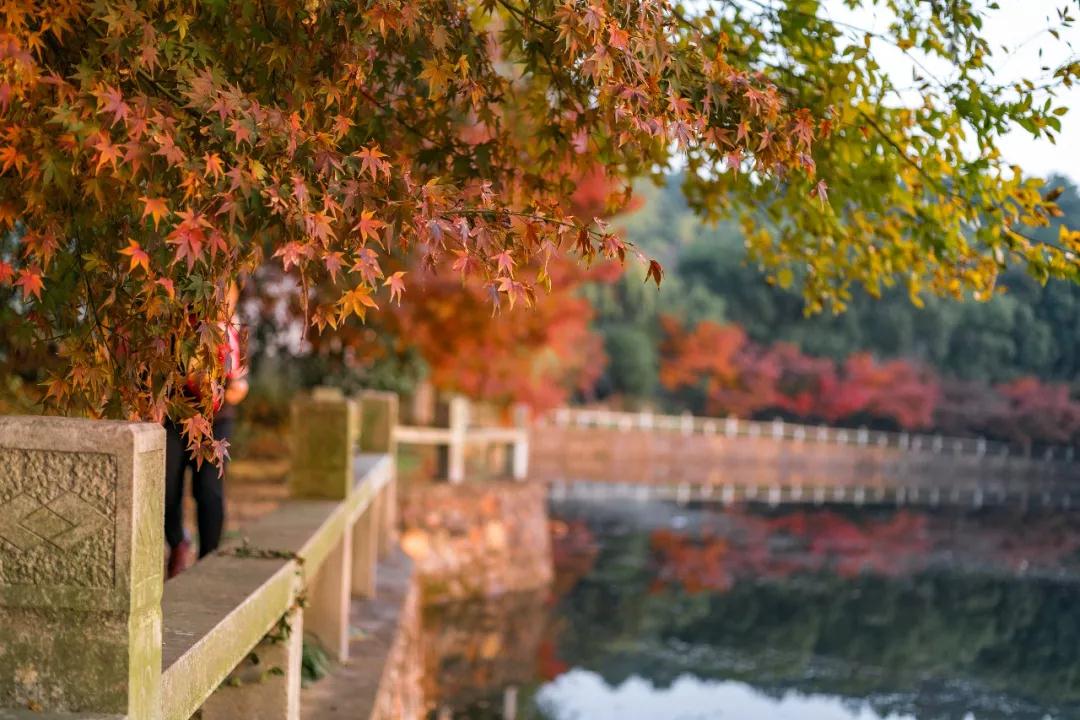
[{"x": 667, "y": 613}]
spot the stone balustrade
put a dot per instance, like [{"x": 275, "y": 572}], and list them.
[
  {"x": 600, "y": 454},
  {"x": 88, "y": 628}
]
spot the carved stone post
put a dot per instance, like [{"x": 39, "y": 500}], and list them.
[
  {"x": 81, "y": 565},
  {"x": 325, "y": 427}
]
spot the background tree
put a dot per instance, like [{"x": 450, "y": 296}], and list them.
[{"x": 152, "y": 153}]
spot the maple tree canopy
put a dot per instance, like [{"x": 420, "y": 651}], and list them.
[{"x": 152, "y": 152}]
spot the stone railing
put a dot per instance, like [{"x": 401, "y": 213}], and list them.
[
  {"x": 88, "y": 628},
  {"x": 458, "y": 435},
  {"x": 732, "y": 427}
]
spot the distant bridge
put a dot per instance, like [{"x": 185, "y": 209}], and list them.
[{"x": 603, "y": 454}]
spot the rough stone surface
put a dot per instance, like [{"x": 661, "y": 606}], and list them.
[
  {"x": 379, "y": 417},
  {"x": 477, "y": 539},
  {"x": 324, "y": 432},
  {"x": 81, "y": 565},
  {"x": 56, "y": 518}
]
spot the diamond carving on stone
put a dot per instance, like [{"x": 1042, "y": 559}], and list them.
[
  {"x": 63, "y": 523},
  {"x": 57, "y": 519}
]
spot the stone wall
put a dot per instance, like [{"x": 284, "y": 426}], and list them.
[{"x": 477, "y": 539}]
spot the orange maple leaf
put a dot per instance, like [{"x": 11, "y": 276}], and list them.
[
  {"x": 138, "y": 256},
  {"x": 369, "y": 225},
  {"x": 107, "y": 153},
  {"x": 356, "y": 301},
  {"x": 156, "y": 208}
]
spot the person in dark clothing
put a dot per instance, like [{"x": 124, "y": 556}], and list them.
[{"x": 207, "y": 478}]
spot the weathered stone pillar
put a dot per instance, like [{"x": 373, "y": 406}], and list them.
[
  {"x": 325, "y": 429},
  {"x": 266, "y": 685},
  {"x": 325, "y": 425},
  {"x": 81, "y": 565},
  {"x": 379, "y": 411}
]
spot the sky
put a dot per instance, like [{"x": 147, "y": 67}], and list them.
[{"x": 1022, "y": 26}]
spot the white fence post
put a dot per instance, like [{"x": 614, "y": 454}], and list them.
[{"x": 459, "y": 423}]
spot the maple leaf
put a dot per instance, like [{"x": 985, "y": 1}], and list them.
[
  {"x": 107, "y": 153},
  {"x": 214, "y": 167},
  {"x": 138, "y": 256},
  {"x": 112, "y": 101},
  {"x": 356, "y": 302},
  {"x": 367, "y": 264},
  {"x": 240, "y": 131},
  {"x": 436, "y": 75},
  {"x": 465, "y": 262},
  {"x": 30, "y": 282},
  {"x": 655, "y": 273},
  {"x": 372, "y": 163},
  {"x": 217, "y": 244},
  {"x": 504, "y": 263},
  {"x": 821, "y": 190},
  {"x": 369, "y": 226},
  {"x": 168, "y": 286},
  {"x": 333, "y": 262},
  {"x": 167, "y": 149},
  {"x": 155, "y": 208},
  {"x": 6, "y": 272},
  {"x": 515, "y": 291},
  {"x": 291, "y": 253},
  {"x": 12, "y": 158},
  {"x": 396, "y": 285},
  {"x": 189, "y": 237}
]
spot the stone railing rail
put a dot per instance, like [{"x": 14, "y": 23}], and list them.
[
  {"x": 688, "y": 424},
  {"x": 88, "y": 628},
  {"x": 459, "y": 434}
]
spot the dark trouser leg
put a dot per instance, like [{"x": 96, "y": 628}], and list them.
[
  {"x": 176, "y": 460},
  {"x": 209, "y": 491}
]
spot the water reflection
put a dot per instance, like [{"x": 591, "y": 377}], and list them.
[
  {"x": 668, "y": 613},
  {"x": 581, "y": 695}
]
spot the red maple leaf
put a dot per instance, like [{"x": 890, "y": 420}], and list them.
[
  {"x": 112, "y": 101},
  {"x": 30, "y": 282}
]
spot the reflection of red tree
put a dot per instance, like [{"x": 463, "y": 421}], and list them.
[
  {"x": 548, "y": 664},
  {"x": 754, "y": 545},
  {"x": 696, "y": 566},
  {"x": 574, "y": 550},
  {"x": 777, "y": 547}
]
